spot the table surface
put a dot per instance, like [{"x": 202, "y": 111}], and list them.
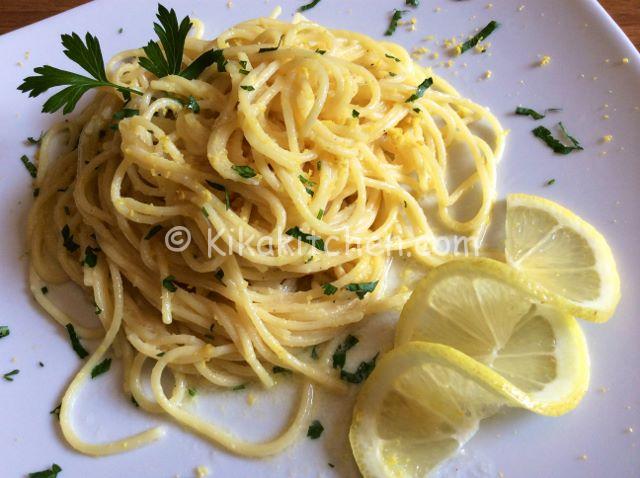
[{"x": 17, "y": 13}]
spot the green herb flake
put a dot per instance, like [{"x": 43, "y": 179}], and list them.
[
  {"x": 529, "y": 112},
  {"x": 278, "y": 369},
  {"x": 4, "y": 331},
  {"x": 308, "y": 184},
  {"x": 204, "y": 212},
  {"x": 56, "y": 411},
  {"x": 310, "y": 239},
  {"x": 393, "y": 24},
  {"x": 9, "y": 375},
  {"x": 193, "y": 105},
  {"x": 152, "y": 232},
  {"x": 309, "y": 5},
  {"x": 239, "y": 387},
  {"x": 246, "y": 172},
  {"x": 392, "y": 74},
  {"x": 331, "y": 465},
  {"x": 320, "y": 214},
  {"x": 315, "y": 430},
  {"x": 219, "y": 275},
  {"x": 480, "y": 36},
  {"x": 222, "y": 188},
  {"x": 33, "y": 141},
  {"x": 394, "y": 58},
  {"x": 362, "y": 288},
  {"x": 413, "y": 3},
  {"x": 320, "y": 52},
  {"x": 355, "y": 113},
  {"x": 41, "y": 364},
  {"x": 329, "y": 289},
  {"x": 135, "y": 402},
  {"x": 422, "y": 87},
  {"x": 169, "y": 283},
  {"x": 31, "y": 168},
  {"x": 90, "y": 257},
  {"x": 125, "y": 113},
  {"x": 67, "y": 239},
  {"x": 340, "y": 354},
  {"x": 192, "y": 392},
  {"x": 247, "y": 87},
  {"x": 101, "y": 368},
  {"x": 362, "y": 372},
  {"x": 120, "y": 30},
  {"x": 98, "y": 310},
  {"x": 545, "y": 135},
  {"x": 242, "y": 71},
  {"x": 205, "y": 60},
  {"x": 550, "y": 182},
  {"x": 48, "y": 473},
  {"x": 75, "y": 341}
]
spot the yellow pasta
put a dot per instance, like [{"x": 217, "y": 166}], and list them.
[{"x": 307, "y": 162}]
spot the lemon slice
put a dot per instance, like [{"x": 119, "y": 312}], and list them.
[
  {"x": 487, "y": 310},
  {"x": 563, "y": 254},
  {"x": 496, "y": 344}
]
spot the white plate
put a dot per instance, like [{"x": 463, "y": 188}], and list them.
[{"x": 579, "y": 37}]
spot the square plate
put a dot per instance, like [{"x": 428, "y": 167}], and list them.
[{"x": 585, "y": 77}]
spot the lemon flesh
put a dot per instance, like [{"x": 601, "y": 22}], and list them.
[{"x": 564, "y": 254}]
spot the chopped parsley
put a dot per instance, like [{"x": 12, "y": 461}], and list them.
[
  {"x": 310, "y": 239},
  {"x": 239, "y": 387},
  {"x": 219, "y": 275},
  {"x": 394, "y": 58},
  {"x": 244, "y": 171},
  {"x": 478, "y": 37},
  {"x": 120, "y": 30},
  {"x": 101, "y": 368},
  {"x": 48, "y": 473},
  {"x": 41, "y": 364},
  {"x": 56, "y": 411},
  {"x": 204, "y": 212},
  {"x": 122, "y": 114},
  {"x": 67, "y": 239},
  {"x": 247, "y": 87},
  {"x": 320, "y": 52},
  {"x": 320, "y": 214},
  {"x": 308, "y": 184},
  {"x": 243, "y": 71},
  {"x": 192, "y": 392},
  {"x": 169, "y": 283},
  {"x": 422, "y": 87},
  {"x": 340, "y": 355},
  {"x": 550, "y": 182},
  {"x": 362, "y": 372},
  {"x": 315, "y": 430},
  {"x": 4, "y": 331},
  {"x": 278, "y": 369},
  {"x": 362, "y": 288},
  {"x": 9, "y": 375},
  {"x": 309, "y": 5},
  {"x": 413, "y": 3},
  {"x": 355, "y": 113},
  {"x": 558, "y": 147},
  {"x": 33, "y": 171},
  {"x": 75, "y": 341},
  {"x": 32, "y": 140},
  {"x": 192, "y": 104},
  {"x": 98, "y": 310},
  {"x": 529, "y": 112},
  {"x": 221, "y": 187},
  {"x": 271, "y": 48},
  {"x": 90, "y": 257},
  {"x": 329, "y": 289},
  {"x": 393, "y": 24},
  {"x": 152, "y": 232}
]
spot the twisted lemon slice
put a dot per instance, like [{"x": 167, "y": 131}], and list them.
[
  {"x": 564, "y": 254},
  {"x": 492, "y": 342}
]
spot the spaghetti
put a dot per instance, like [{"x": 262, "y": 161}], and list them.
[{"x": 306, "y": 155}]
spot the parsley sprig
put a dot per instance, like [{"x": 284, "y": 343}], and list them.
[{"x": 89, "y": 57}]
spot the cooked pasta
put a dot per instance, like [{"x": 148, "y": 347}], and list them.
[{"x": 298, "y": 167}]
